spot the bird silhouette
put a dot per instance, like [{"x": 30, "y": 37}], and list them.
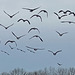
[
  {"x": 36, "y": 16},
  {"x": 59, "y": 17},
  {"x": 30, "y": 50},
  {"x": 68, "y": 22},
  {"x": 5, "y": 52},
  {"x": 24, "y": 20},
  {"x": 31, "y": 9},
  {"x": 44, "y": 12},
  {"x": 60, "y": 34},
  {"x": 11, "y": 42},
  {"x": 21, "y": 50},
  {"x": 54, "y": 53},
  {"x": 37, "y": 36},
  {"x": 65, "y": 12},
  {"x": 17, "y": 37},
  {"x": 59, "y": 64},
  {"x": 33, "y": 29},
  {"x": 11, "y": 16},
  {"x": 35, "y": 49},
  {"x": 7, "y": 26}
]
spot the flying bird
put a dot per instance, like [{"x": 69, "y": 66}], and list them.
[
  {"x": 10, "y": 42},
  {"x": 33, "y": 29},
  {"x": 7, "y": 26},
  {"x": 35, "y": 49},
  {"x": 11, "y": 16},
  {"x": 59, "y": 64},
  {"x": 60, "y": 34},
  {"x": 65, "y": 12},
  {"x": 59, "y": 17},
  {"x": 31, "y": 9},
  {"x": 24, "y": 20},
  {"x": 5, "y": 52},
  {"x": 37, "y": 36},
  {"x": 68, "y": 22},
  {"x": 21, "y": 50},
  {"x": 54, "y": 53},
  {"x": 44, "y": 12},
  {"x": 36, "y": 16},
  {"x": 30, "y": 50},
  {"x": 17, "y": 37}
]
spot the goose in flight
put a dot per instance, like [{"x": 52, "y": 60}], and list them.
[
  {"x": 11, "y": 16},
  {"x": 33, "y": 29},
  {"x": 10, "y": 42},
  {"x": 44, "y": 12},
  {"x": 24, "y": 20},
  {"x": 68, "y": 22},
  {"x": 30, "y": 50},
  {"x": 59, "y": 17},
  {"x": 54, "y": 53},
  {"x": 65, "y": 12},
  {"x": 60, "y": 34},
  {"x": 35, "y": 49},
  {"x": 17, "y": 37},
  {"x": 59, "y": 64},
  {"x": 37, "y": 36},
  {"x": 5, "y": 52},
  {"x": 21, "y": 50},
  {"x": 31, "y": 9},
  {"x": 36, "y": 16},
  {"x": 7, "y": 26}
]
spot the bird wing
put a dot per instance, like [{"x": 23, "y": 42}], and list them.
[
  {"x": 40, "y": 38},
  {"x": 10, "y": 25},
  {"x": 43, "y": 11},
  {"x": 15, "y": 13},
  {"x": 2, "y": 25},
  {"x": 21, "y": 36},
  {"x": 29, "y": 47},
  {"x": 50, "y": 51},
  {"x": 33, "y": 29},
  {"x": 65, "y": 33},
  {"x": 56, "y": 14},
  {"x": 20, "y": 20},
  {"x": 58, "y": 32},
  {"x": 36, "y": 8},
  {"x": 27, "y": 21},
  {"x": 58, "y": 51},
  {"x": 61, "y": 11},
  {"x": 36, "y": 16},
  {"x": 7, "y": 42},
  {"x": 6, "y": 13},
  {"x": 63, "y": 16},
  {"x": 14, "y": 34}
]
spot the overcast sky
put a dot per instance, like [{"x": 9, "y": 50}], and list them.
[{"x": 51, "y": 40}]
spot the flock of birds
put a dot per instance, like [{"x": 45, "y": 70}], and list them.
[{"x": 31, "y": 49}]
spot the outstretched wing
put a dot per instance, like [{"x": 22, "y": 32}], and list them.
[
  {"x": 20, "y": 20},
  {"x": 29, "y": 47},
  {"x": 36, "y": 16},
  {"x": 65, "y": 33},
  {"x": 15, "y": 13},
  {"x": 6, "y": 13},
  {"x": 14, "y": 34},
  {"x": 59, "y": 51},
  {"x": 44, "y": 12},
  {"x": 10, "y": 25},
  {"x": 50, "y": 51},
  {"x": 58, "y": 32},
  {"x": 40, "y": 38},
  {"x": 2, "y": 25},
  {"x": 33, "y": 29}
]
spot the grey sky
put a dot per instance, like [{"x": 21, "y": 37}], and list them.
[{"x": 48, "y": 27}]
